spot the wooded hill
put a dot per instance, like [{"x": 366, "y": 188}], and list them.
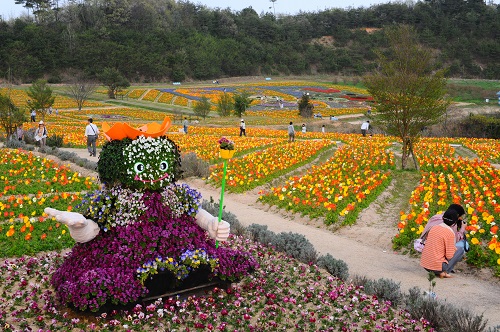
[{"x": 164, "y": 40}]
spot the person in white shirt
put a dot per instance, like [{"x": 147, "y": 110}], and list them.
[
  {"x": 364, "y": 127},
  {"x": 304, "y": 128},
  {"x": 91, "y": 131},
  {"x": 243, "y": 128},
  {"x": 41, "y": 134}
]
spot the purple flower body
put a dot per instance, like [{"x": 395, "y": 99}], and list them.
[{"x": 104, "y": 270}]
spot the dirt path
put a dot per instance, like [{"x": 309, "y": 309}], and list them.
[{"x": 366, "y": 246}]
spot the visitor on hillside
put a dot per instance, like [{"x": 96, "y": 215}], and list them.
[
  {"x": 20, "y": 132},
  {"x": 91, "y": 132},
  {"x": 41, "y": 134},
  {"x": 364, "y": 127},
  {"x": 323, "y": 129},
  {"x": 243, "y": 128},
  {"x": 185, "y": 125},
  {"x": 459, "y": 230},
  {"x": 304, "y": 128},
  {"x": 33, "y": 115},
  {"x": 440, "y": 253},
  {"x": 291, "y": 132}
]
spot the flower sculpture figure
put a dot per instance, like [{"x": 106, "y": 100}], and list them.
[{"x": 140, "y": 224}]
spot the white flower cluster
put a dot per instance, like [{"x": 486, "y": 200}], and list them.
[
  {"x": 129, "y": 206},
  {"x": 146, "y": 149}
]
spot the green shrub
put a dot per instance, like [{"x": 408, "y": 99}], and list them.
[
  {"x": 480, "y": 126},
  {"x": 260, "y": 233},
  {"x": 385, "y": 289},
  {"x": 442, "y": 316},
  {"x": 65, "y": 155},
  {"x": 29, "y": 136},
  {"x": 191, "y": 165},
  {"x": 336, "y": 267},
  {"x": 55, "y": 141},
  {"x": 295, "y": 245},
  {"x": 17, "y": 144}
]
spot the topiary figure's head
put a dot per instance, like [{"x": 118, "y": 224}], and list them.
[{"x": 142, "y": 163}]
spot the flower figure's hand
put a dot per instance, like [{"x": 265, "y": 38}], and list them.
[
  {"x": 81, "y": 229},
  {"x": 216, "y": 230},
  {"x": 219, "y": 230}
]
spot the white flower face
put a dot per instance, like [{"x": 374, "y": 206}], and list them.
[{"x": 150, "y": 162}]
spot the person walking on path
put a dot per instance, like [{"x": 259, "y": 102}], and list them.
[
  {"x": 440, "y": 253},
  {"x": 304, "y": 128},
  {"x": 323, "y": 129},
  {"x": 41, "y": 134},
  {"x": 91, "y": 132},
  {"x": 185, "y": 125},
  {"x": 364, "y": 127},
  {"x": 243, "y": 128},
  {"x": 291, "y": 132},
  {"x": 33, "y": 115}
]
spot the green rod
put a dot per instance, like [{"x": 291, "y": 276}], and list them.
[{"x": 221, "y": 202}]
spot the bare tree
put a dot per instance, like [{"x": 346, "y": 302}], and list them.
[
  {"x": 80, "y": 91},
  {"x": 408, "y": 89}
]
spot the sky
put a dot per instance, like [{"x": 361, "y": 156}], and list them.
[{"x": 8, "y": 8}]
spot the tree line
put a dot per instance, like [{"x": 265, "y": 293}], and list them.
[{"x": 166, "y": 40}]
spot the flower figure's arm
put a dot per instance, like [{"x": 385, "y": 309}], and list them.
[
  {"x": 81, "y": 229},
  {"x": 217, "y": 230}
]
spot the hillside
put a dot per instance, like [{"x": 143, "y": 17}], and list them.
[{"x": 165, "y": 41}]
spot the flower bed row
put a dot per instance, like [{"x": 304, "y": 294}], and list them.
[
  {"x": 486, "y": 149},
  {"x": 260, "y": 167},
  {"x": 339, "y": 187},
  {"x": 20, "y": 98},
  {"x": 25, "y": 173}
]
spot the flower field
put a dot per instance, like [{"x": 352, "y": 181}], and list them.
[
  {"x": 260, "y": 94},
  {"x": 340, "y": 187},
  {"x": 335, "y": 190},
  {"x": 261, "y": 167}
]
